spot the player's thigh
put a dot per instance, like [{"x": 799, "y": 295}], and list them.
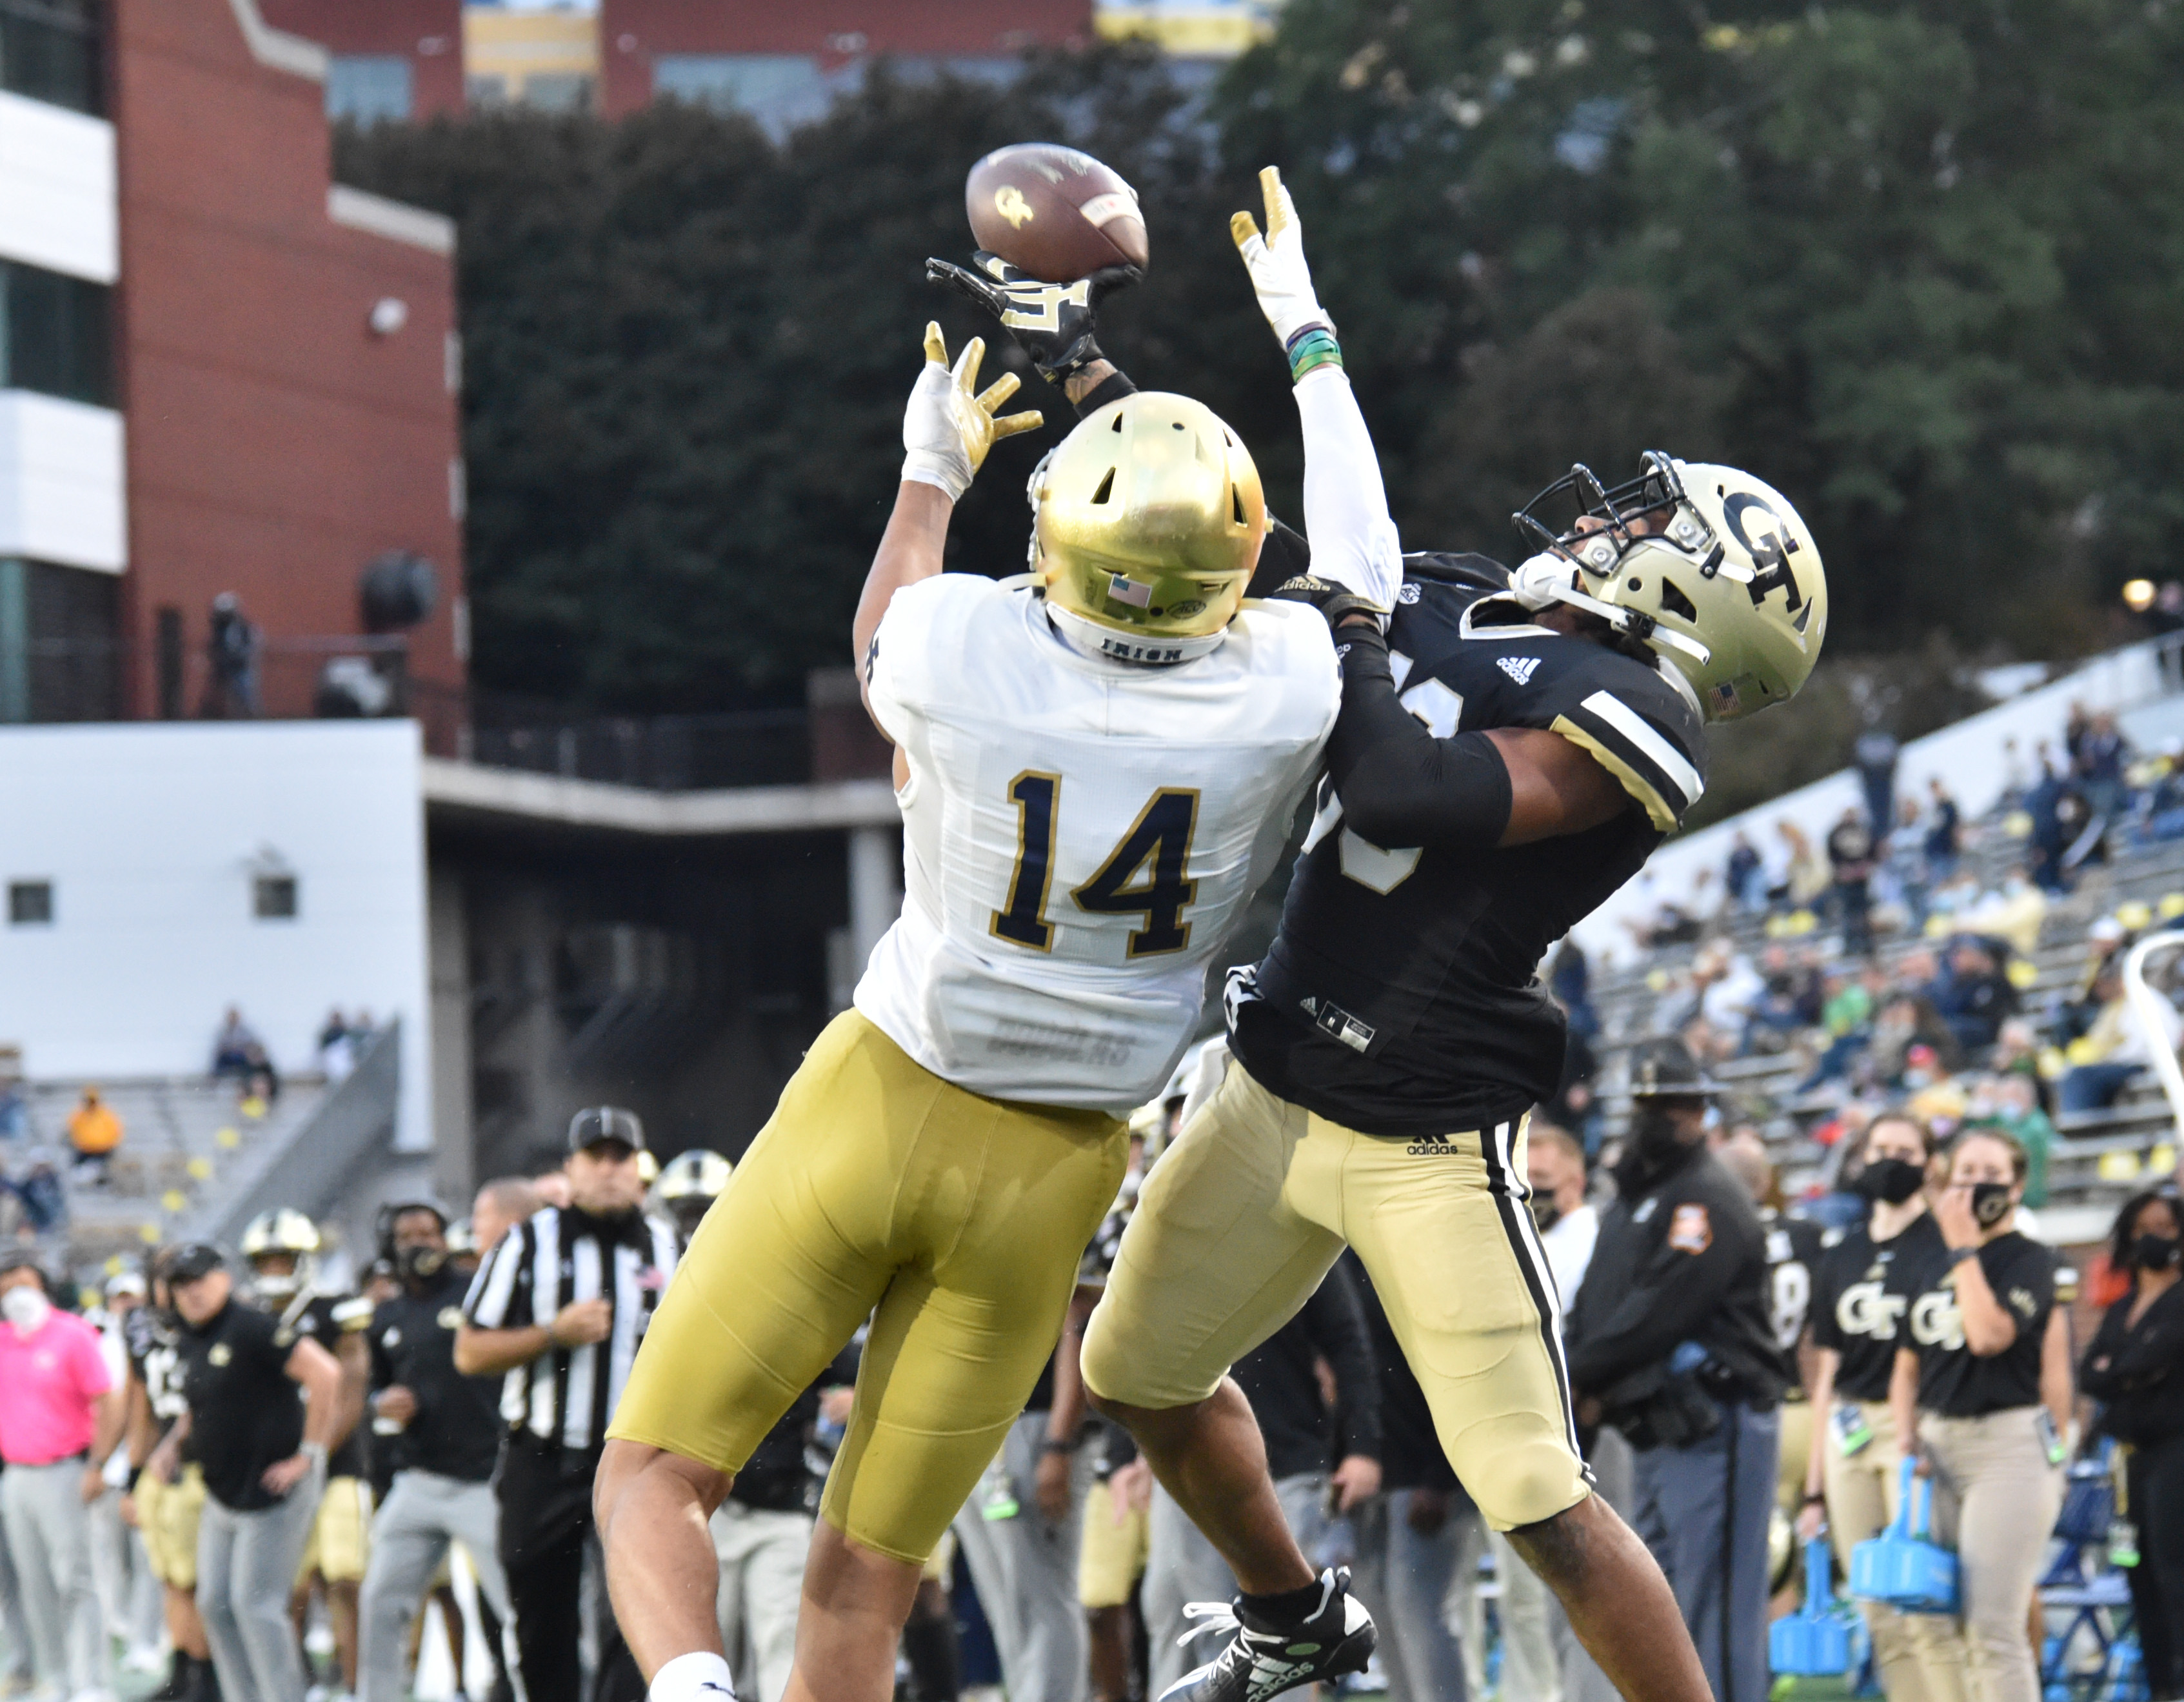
[
  {"x": 1454, "y": 1255},
  {"x": 1216, "y": 1257},
  {"x": 790, "y": 1259},
  {"x": 960, "y": 1338}
]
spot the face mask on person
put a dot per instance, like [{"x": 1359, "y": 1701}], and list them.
[
  {"x": 1990, "y": 1203},
  {"x": 2154, "y": 1251},
  {"x": 26, "y": 1308},
  {"x": 1546, "y": 1214},
  {"x": 1891, "y": 1179},
  {"x": 420, "y": 1264},
  {"x": 1653, "y": 1131}
]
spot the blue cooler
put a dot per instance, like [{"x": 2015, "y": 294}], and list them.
[
  {"x": 1903, "y": 1566},
  {"x": 1813, "y": 1642}
]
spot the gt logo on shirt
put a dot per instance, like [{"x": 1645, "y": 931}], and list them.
[
  {"x": 1691, "y": 1230},
  {"x": 1937, "y": 1321},
  {"x": 1868, "y": 1309}
]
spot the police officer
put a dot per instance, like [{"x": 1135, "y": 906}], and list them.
[
  {"x": 1670, "y": 1341},
  {"x": 444, "y": 1430},
  {"x": 558, "y": 1311}
]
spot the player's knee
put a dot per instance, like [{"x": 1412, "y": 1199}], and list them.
[
  {"x": 1529, "y": 1488},
  {"x": 652, "y": 1482}
]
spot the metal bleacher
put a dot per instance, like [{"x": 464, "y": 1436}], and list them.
[{"x": 2099, "y": 1158}]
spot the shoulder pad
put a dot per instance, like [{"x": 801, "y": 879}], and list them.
[
  {"x": 1453, "y": 568},
  {"x": 1639, "y": 728}
]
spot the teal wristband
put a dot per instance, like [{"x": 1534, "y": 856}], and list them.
[{"x": 1313, "y": 347}]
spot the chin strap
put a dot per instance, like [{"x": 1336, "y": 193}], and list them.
[{"x": 1545, "y": 579}]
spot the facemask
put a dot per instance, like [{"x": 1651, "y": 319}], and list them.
[
  {"x": 1990, "y": 1203},
  {"x": 26, "y": 1308},
  {"x": 1653, "y": 1131},
  {"x": 1546, "y": 1214},
  {"x": 2154, "y": 1251},
  {"x": 420, "y": 1264},
  {"x": 1893, "y": 1179}
]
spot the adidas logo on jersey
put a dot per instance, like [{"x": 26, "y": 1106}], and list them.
[{"x": 1519, "y": 668}]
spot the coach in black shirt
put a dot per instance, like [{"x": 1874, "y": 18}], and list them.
[
  {"x": 557, "y": 1311},
  {"x": 445, "y": 1429},
  {"x": 263, "y": 1455}
]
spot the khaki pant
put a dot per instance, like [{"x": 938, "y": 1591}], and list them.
[
  {"x": 1244, "y": 1216},
  {"x": 879, "y": 1191},
  {"x": 1913, "y": 1653},
  {"x": 1995, "y": 1501}
]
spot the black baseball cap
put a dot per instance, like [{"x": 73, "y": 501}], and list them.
[
  {"x": 598, "y": 1125},
  {"x": 192, "y": 1260},
  {"x": 1666, "y": 1069}
]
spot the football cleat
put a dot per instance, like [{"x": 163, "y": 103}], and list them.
[{"x": 1261, "y": 1660}]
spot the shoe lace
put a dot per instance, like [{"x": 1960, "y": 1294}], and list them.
[{"x": 1216, "y": 1616}]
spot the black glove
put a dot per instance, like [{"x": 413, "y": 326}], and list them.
[
  {"x": 1054, "y": 323},
  {"x": 1335, "y": 602}
]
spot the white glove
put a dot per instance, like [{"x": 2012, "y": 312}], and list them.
[
  {"x": 1276, "y": 262},
  {"x": 1534, "y": 582},
  {"x": 947, "y": 430}
]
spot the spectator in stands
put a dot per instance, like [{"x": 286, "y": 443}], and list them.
[
  {"x": 336, "y": 1050},
  {"x": 1744, "y": 877},
  {"x": 2011, "y": 1103},
  {"x": 1805, "y": 875},
  {"x": 1972, "y": 994},
  {"x": 2105, "y": 1058},
  {"x": 2014, "y": 913},
  {"x": 94, "y": 1131},
  {"x": 1904, "y": 856},
  {"x": 2135, "y": 1369},
  {"x": 231, "y": 646},
  {"x": 1982, "y": 1380},
  {"x": 58, "y": 1410},
  {"x": 1944, "y": 834},
  {"x": 1569, "y": 980},
  {"x": 1874, "y": 755},
  {"x": 2099, "y": 760},
  {"x": 231, "y": 1048}
]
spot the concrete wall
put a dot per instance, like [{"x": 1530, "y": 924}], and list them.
[{"x": 153, "y": 837}]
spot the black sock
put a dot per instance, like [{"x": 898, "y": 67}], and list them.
[
  {"x": 1285, "y": 1607},
  {"x": 928, "y": 1643}
]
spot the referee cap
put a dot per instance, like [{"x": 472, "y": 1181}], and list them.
[
  {"x": 1666, "y": 1069},
  {"x": 600, "y": 1125}
]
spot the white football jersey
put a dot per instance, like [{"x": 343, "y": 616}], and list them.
[{"x": 1080, "y": 834}]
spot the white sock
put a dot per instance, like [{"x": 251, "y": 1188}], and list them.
[{"x": 693, "y": 1678}]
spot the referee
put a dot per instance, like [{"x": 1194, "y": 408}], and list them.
[{"x": 557, "y": 1310}]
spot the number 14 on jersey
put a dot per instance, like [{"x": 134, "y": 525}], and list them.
[{"x": 1145, "y": 874}]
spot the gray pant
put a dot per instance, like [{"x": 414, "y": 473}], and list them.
[
  {"x": 1181, "y": 1567},
  {"x": 247, "y": 1566},
  {"x": 49, "y": 1531},
  {"x": 761, "y": 1556},
  {"x": 1703, "y": 1511},
  {"x": 1025, "y": 1571},
  {"x": 424, "y": 1512},
  {"x": 14, "y": 1628},
  {"x": 1405, "y": 1576},
  {"x": 128, "y": 1594}
]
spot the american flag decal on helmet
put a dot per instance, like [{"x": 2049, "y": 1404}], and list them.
[{"x": 1129, "y": 591}]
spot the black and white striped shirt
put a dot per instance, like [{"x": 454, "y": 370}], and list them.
[{"x": 553, "y": 1259}]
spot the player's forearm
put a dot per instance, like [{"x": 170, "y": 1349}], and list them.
[
  {"x": 1399, "y": 784},
  {"x": 110, "y": 1419},
  {"x": 1823, "y": 1399},
  {"x": 1345, "y": 505},
  {"x": 1096, "y": 384},
  {"x": 490, "y": 1352},
  {"x": 911, "y": 549}
]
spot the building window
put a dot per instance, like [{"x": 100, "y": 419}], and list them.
[
  {"x": 370, "y": 88},
  {"x": 781, "y": 91},
  {"x": 54, "y": 334},
  {"x": 49, "y": 51},
  {"x": 60, "y": 649},
  {"x": 558, "y": 91},
  {"x": 30, "y": 903},
  {"x": 273, "y": 897},
  {"x": 484, "y": 88}
]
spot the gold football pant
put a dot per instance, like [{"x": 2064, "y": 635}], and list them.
[
  {"x": 168, "y": 1514},
  {"x": 877, "y": 1185},
  {"x": 340, "y": 1544},
  {"x": 1241, "y": 1219}
]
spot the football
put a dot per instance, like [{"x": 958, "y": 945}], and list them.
[{"x": 1054, "y": 213}]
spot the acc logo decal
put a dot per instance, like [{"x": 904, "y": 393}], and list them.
[
  {"x": 1691, "y": 1230},
  {"x": 1010, "y": 204},
  {"x": 220, "y": 1354},
  {"x": 1407, "y": 592}
]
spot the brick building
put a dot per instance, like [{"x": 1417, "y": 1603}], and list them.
[{"x": 222, "y": 374}]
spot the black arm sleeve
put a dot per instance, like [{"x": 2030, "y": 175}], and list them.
[
  {"x": 1284, "y": 556},
  {"x": 1334, "y": 1323},
  {"x": 1399, "y": 784}
]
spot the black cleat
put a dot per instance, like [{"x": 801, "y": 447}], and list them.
[{"x": 1262, "y": 1660}]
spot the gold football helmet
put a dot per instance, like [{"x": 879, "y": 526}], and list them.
[
  {"x": 1711, "y": 567},
  {"x": 1149, "y": 516}
]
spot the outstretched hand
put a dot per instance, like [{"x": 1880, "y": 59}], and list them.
[
  {"x": 1054, "y": 323},
  {"x": 1279, "y": 275},
  {"x": 950, "y": 425}
]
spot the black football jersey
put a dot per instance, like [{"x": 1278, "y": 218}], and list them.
[
  {"x": 326, "y": 1319},
  {"x": 1400, "y": 996},
  {"x": 1794, "y": 1248}
]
